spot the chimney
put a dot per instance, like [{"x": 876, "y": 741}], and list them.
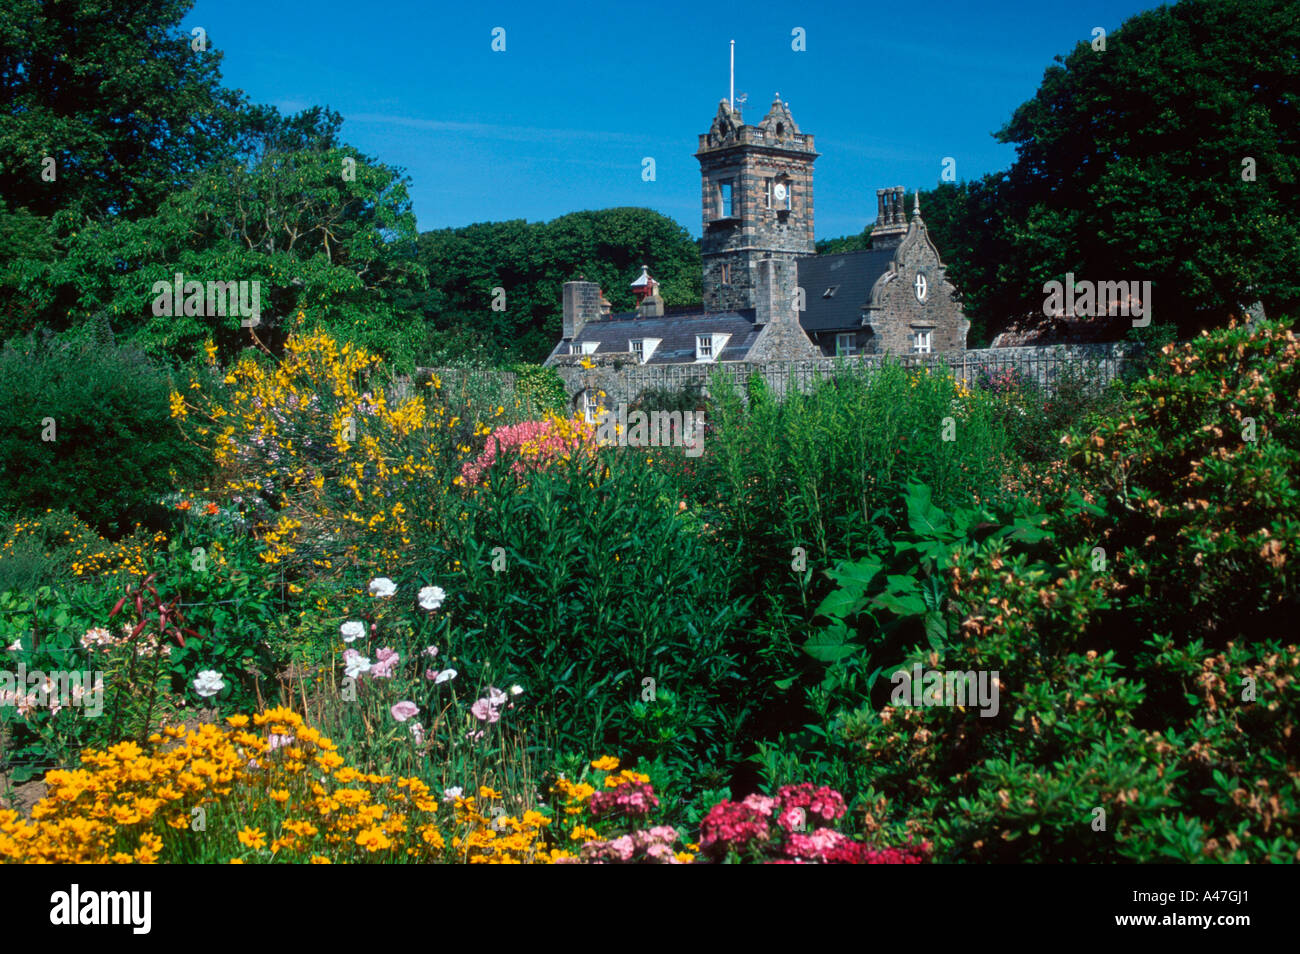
[
  {"x": 782, "y": 337},
  {"x": 891, "y": 222},
  {"x": 581, "y": 305},
  {"x": 646, "y": 290},
  {"x": 767, "y": 292}
]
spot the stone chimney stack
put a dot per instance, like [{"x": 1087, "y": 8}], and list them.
[
  {"x": 891, "y": 219},
  {"x": 582, "y": 303},
  {"x": 782, "y": 337}
]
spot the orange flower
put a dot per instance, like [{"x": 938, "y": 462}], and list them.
[
  {"x": 184, "y": 505},
  {"x": 210, "y": 509}
]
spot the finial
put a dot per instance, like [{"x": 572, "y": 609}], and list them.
[{"x": 916, "y": 206}]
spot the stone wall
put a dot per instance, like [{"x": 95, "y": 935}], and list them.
[
  {"x": 623, "y": 381},
  {"x": 626, "y": 382}
]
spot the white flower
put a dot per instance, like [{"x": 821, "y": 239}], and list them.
[
  {"x": 352, "y": 629},
  {"x": 383, "y": 587},
  {"x": 18, "y": 645},
  {"x": 495, "y": 696},
  {"x": 417, "y": 732},
  {"x": 355, "y": 664},
  {"x": 445, "y": 676},
  {"x": 209, "y": 683},
  {"x": 454, "y": 792},
  {"x": 431, "y": 597},
  {"x": 516, "y": 690}
]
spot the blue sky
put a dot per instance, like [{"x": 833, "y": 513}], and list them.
[{"x": 561, "y": 120}]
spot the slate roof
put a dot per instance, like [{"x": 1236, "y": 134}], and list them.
[
  {"x": 854, "y": 273},
  {"x": 678, "y": 332}
]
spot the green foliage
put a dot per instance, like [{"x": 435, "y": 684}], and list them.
[
  {"x": 334, "y": 248},
  {"x": 1116, "y": 179},
  {"x": 1140, "y": 641},
  {"x": 40, "y": 631},
  {"x": 824, "y": 470},
  {"x": 116, "y": 96},
  {"x": 114, "y": 443},
  {"x": 541, "y": 389},
  {"x": 532, "y": 261},
  {"x": 1200, "y": 475},
  {"x": 846, "y": 243},
  {"x": 231, "y": 605},
  {"x": 603, "y": 588}
]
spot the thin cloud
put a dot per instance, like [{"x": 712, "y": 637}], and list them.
[{"x": 497, "y": 131}]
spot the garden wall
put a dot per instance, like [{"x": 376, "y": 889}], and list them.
[{"x": 623, "y": 381}]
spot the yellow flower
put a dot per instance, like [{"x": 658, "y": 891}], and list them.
[
  {"x": 252, "y": 838},
  {"x": 606, "y": 763}
]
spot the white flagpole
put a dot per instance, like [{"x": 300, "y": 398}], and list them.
[{"x": 732, "y": 101}]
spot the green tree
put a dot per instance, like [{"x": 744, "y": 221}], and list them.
[
  {"x": 530, "y": 262},
  {"x": 1130, "y": 161},
  {"x": 320, "y": 228},
  {"x": 116, "y": 96}
]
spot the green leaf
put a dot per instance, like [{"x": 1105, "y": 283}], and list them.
[{"x": 831, "y": 644}]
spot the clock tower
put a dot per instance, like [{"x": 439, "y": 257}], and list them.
[{"x": 757, "y": 201}]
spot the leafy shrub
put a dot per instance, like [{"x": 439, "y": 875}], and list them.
[
  {"x": 586, "y": 584},
  {"x": 540, "y": 389},
  {"x": 40, "y": 631},
  {"x": 1199, "y": 476},
  {"x": 113, "y": 446},
  {"x": 59, "y": 547}
]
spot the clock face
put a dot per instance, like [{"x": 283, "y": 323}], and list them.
[{"x": 779, "y": 190}]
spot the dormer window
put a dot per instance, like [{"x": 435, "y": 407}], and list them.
[
  {"x": 585, "y": 347},
  {"x": 709, "y": 347},
  {"x": 643, "y": 348}
]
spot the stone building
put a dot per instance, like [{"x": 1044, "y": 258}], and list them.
[{"x": 767, "y": 295}]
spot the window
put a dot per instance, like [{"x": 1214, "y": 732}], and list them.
[
  {"x": 726, "y": 274},
  {"x": 830, "y": 292},
  {"x": 767, "y": 185},
  {"x": 589, "y": 347},
  {"x": 846, "y": 344},
  {"x": 638, "y": 349},
  {"x": 704, "y": 347},
  {"x": 590, "y": 406},
  {"x": 727, "y": 195},
  {"x": 921, "y": 343}
]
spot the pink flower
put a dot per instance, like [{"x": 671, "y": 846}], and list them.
[
  {"x": 485, "y": 711},
  {"x": 387, "y": 662},
  {"x": 404, "y": 710}
]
